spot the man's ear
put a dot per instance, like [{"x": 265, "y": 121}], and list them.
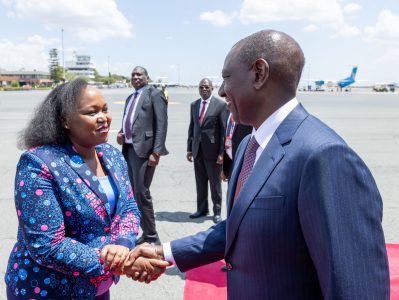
[{"x": 261, "y": 71}]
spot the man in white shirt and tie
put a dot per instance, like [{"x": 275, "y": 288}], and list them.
[
  {"x": 143, "y": 135},
  {"x": 303, "y": 210},
  {"x": 205, "y": 147}
]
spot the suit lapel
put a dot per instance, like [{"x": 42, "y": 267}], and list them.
[
  {"x": 267, "y": 162},
  {"x": 142, "y": 97},
  {"x": 210, "y": 109},
  {"x": 235, "y": 173},
  {"x": 265, "y": 165},
  {"x": 197, "y": 106}
]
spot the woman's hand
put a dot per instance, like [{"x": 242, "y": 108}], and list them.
[{"x": 113, "y": 256}]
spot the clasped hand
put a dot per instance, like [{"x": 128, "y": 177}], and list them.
[{"x": 144, "y": 263}]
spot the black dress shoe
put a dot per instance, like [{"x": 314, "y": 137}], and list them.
[
  {"x": 198, "y": 214},
  {"x": 217, "y": 219}
]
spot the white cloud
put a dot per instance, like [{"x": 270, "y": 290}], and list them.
[
  {"x": 320, "y": 13},
  {"x": 385, "y": 31},
  {"x": 346, "y": 31},
  {"x": 254, "y": 11},
  {"x": 29, "y": 55},
  {"x": 218, "y": 18},
  {"x": 352, "y": 7},
  {"x": 310, "y": 28},
  {"x": 90, "y": 20},
  {"x": 169, "y": 38},
  {"x": 389, "y": 58}
]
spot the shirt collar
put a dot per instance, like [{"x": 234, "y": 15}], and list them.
[
  {"x": 140, "y": 90},
  {"x": 265, "y": 132},
  {"x": 206, "y": 100}
]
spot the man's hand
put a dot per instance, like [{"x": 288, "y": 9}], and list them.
[
  {"x": 153, "y": 159},
  {"x": 113, "y": 256},
  {"x": 120, "y": 138},
  {"x": 189, "y": 156},
  {"x": 145, "y": 263},
  {"x": 223, "y": 176},
  {"x": 219, "y": 160}
]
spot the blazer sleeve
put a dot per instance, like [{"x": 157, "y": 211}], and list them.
[
  {"x": 191, "y": 129},
  {"x": 41, "y": 216},
  {"x": 340, "y": 212},
  {"x": 200, "y": 249},
  {"x": 126, "y": 222},
  {"x": 161, "y": 121}
]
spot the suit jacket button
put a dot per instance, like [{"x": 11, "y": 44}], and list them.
[{"x": 229, "y": 266}]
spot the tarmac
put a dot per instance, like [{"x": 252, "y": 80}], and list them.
[{"x": 368, "y": 121}]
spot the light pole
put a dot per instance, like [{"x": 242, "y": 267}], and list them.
[
  {"x": 178, "y": 74},
  {"x": 109, "y": 74},
  {"x": 63, "y": 61}
]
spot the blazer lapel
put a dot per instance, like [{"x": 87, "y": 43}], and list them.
[
  {"x": 267, "y": 162},
  {"x": 79, "y": 166},
  {"x": 113, "y": 172}
]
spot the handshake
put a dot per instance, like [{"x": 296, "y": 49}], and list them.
[{"x": 145, "y": 263}]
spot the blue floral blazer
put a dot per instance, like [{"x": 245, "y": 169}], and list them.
[{"x": 64, "y": 220}]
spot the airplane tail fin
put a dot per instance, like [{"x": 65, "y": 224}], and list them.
[{"x": 353, "y": 74}]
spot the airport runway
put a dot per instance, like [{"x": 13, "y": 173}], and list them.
[{"x": 368, "y": 121}]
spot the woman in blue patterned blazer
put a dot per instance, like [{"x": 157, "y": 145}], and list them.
[{"x": 73, "y": 199}]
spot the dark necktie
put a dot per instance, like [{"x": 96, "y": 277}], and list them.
[
  {"x": 128, "y": 120},
  {"x": 246, "y": 168},
  {"x": 202, "y": 113}
]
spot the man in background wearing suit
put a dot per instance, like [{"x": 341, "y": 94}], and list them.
[
  {"x": 205, "y": 145},
  {"x": 304, "y": 212},
  {"x": 143, "y": 135},
  {"x": 234, "y": 134}
]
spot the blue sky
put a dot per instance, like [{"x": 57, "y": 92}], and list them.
[{"x": 187, "y": 40}]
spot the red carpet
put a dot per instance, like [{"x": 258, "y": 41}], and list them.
[
  {"x": 206, "y": 282},
  {"x": 393, "y": 257},
  {"x": 209, "y": 283}
]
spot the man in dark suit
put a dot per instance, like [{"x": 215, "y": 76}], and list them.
[
  {"x": 234, "y": 134},
  {"x": 143, "y": 134},
  {"x": 304, "y": 212},
  {"x": 205, "y": 146}
]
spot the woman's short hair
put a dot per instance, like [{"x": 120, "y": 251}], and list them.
[{"x": 47, "y": 123}]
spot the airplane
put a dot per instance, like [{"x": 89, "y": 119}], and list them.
[{"x": 342, "y": 83}]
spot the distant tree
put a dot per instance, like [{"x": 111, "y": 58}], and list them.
[
  {"x": 70, "y": 76},
  {"x": 56, "y": 71},
  {"x": 14, "y": 83}
]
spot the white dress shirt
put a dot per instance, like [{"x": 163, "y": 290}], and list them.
[{"x": 262, "y": 135}]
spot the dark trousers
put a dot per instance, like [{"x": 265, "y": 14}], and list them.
[
  {"x": 208, "y": 170},
  {"x": 140, "y": 175}
]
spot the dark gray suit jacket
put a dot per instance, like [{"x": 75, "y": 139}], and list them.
[
  {"x": 306, "y": 225},
  {"x": 150, "y": 123},
  {"x": 211, "y": 133}
]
